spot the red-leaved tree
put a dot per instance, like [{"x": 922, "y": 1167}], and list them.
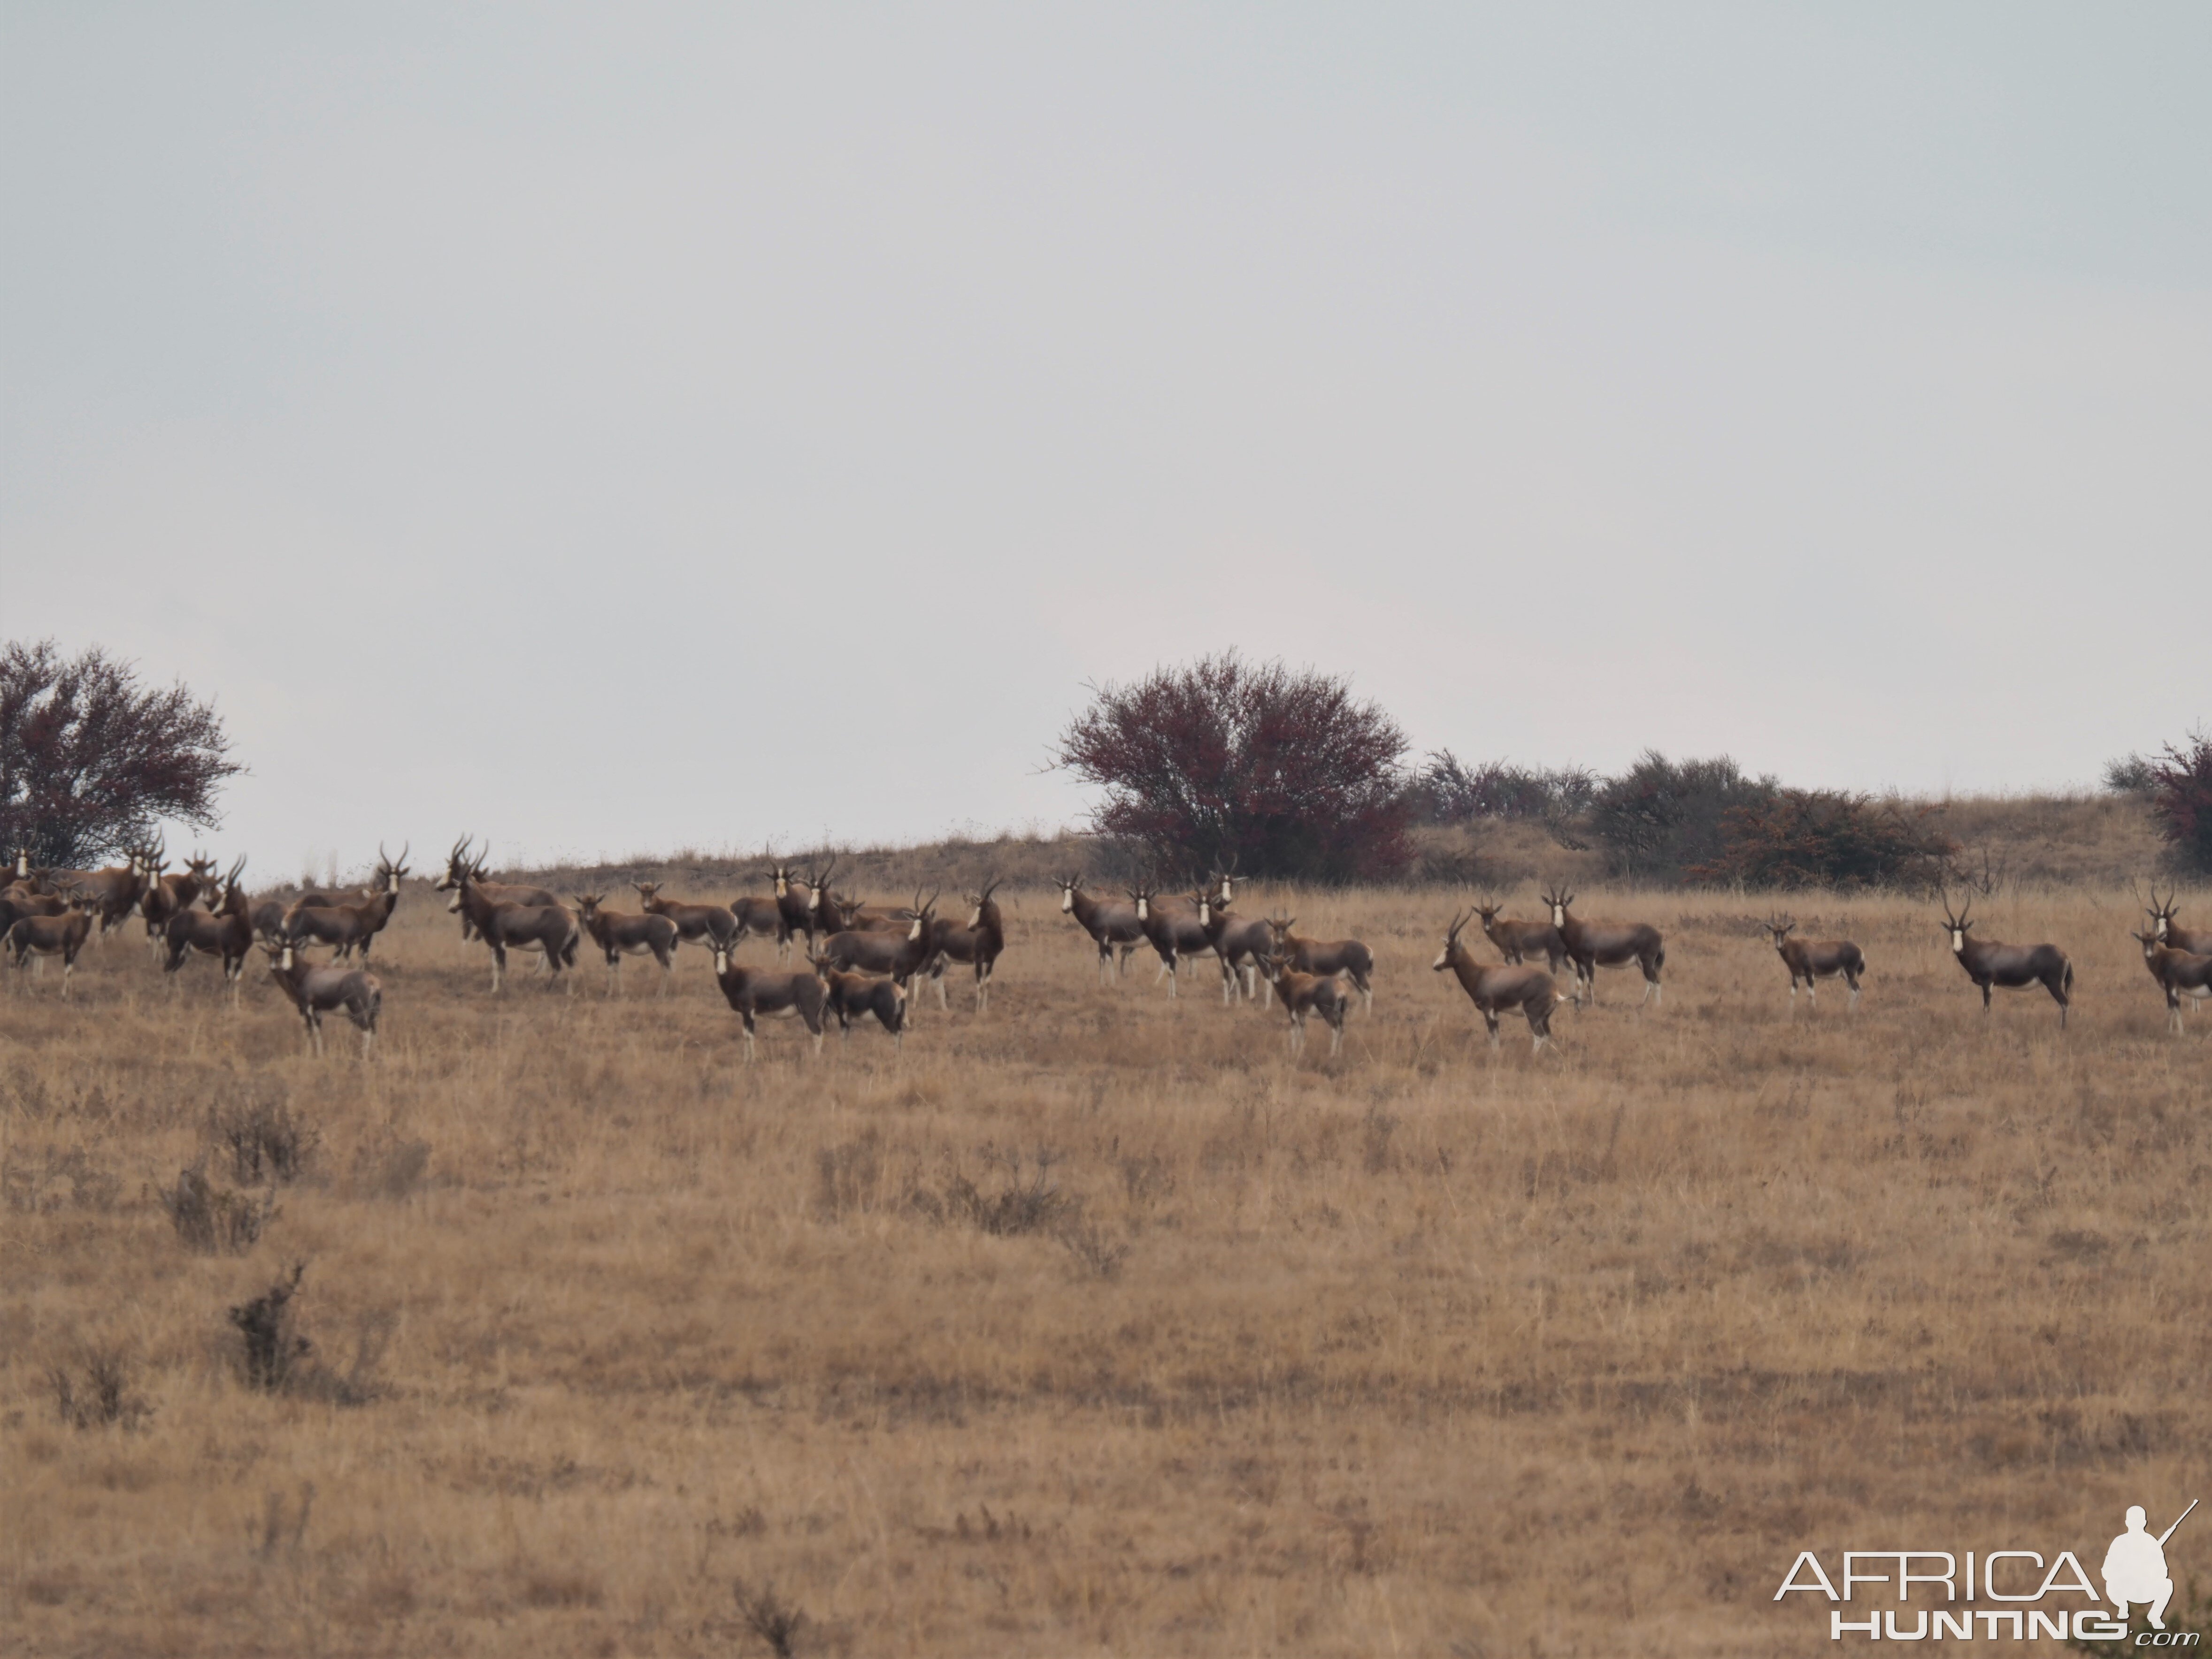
[
  {"x": 1225, "y": 762},
  {"x": 90, "y": 760},
  {"x": 2181, "y": 798}
]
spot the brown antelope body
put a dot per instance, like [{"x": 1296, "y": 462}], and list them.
[
  {"x": 346, "y": 927},
  {"x": 753, "y": 993},
  {"x": 1347, "y": 957},
  {"x": 168, "y": 895},
  {"x": 1814, "y": 959},
  {"x": 1238, "y": 944},
  {"x": 2009, "y": 967},
  {"x": 901, "y": 955},
  {"x": 226, "y": 933},
  {"x": 2197, "y": 942},
  {"x": 1113, "y": 927},
  {"x": 1302, "y": 994},
  {"x": 1517, "y": 942},
  {"x": 1496, "y": 991},
  {"x": 704, "y": 925},
  {"x": 619, "y": 933},
  {"x": 2180, "y": 973},
  {"x": 549, "y": 929},
  {"x": 114, "y": 893},
  {"x": 798, "y": 902},
  {"x": 62, "y": 936},
  {"x": 852, "y": 996},
  {"x": 459, "y": 867},
  {"x": 980, "y": 943},
  {"x": 1173, "y": 927},
  {"x": 1594, "y": 945},
  {"x": 317, "y": 991}
]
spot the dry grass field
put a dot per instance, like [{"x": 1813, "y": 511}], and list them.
[{"x": 1095, "y": 1325}]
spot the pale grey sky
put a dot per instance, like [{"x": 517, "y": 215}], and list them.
[{"x": 610, "y": 429}]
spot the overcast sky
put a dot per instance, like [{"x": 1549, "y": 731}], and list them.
[{"x": 615, "y": 429}]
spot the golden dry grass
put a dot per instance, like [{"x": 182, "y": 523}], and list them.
[{"x": 1421, "y": 1351}]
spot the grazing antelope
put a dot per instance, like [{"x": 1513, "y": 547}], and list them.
[
  {"x": 549, "y": 929},
  {"x": 62, "y": 936},
  {"x": 753, "y": 992},
  {"x": 1594, "y": 945},
  {"x": 1302, "y": 994},
  {"x": 317, "y": 991},
  {"x": 348, "y": 927},
  {"x": 619, "y": 934},
  {"x": 1347, "y": 957},
  {"x": 2197, "y": 942},
  {"x": 1113, "y": 929},
  {"x": 1814, "y": 959},
  {"x": 1496, "y": 991},
  {"x": 1517, "y": 940},
  {"x": 701, "y": 924},
  {"x": 1237, "y": 943},
  {"x": 1173, "y": 927},
  {"x": 2180, "y": 973},
  {"x": 981, "y": 942},
  {"x": 461, "y": 868},
  {"x": 856, "y": 996},
  {"x": 226, "y": 933},
  {"x": 2013, "y": 967},
  {"x": 901, "y": 955}
]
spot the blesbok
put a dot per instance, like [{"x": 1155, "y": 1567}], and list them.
[
  {"x": 115, "y": 891},
  {"x": 799, "y": 901},
  {"x": 706, "y": 924},
  {"x": 1814, "y": 959},
  {"x": 753, "y": 992},
  {"x": 226, "y": 932},
  {"x": 168, "y": 895},
  {"x": 619, "y": 933},
  {"x": 1237, "y": 945},
  {"x": 2180, "y": 973},
  {"x": 2010, "y": 968},
  {"x": 1594, "y": 945},
  {"x": 758, "y": 916},
  {"x": 1500, "y": 989},
  {"x": 839, "y": 913},
  {"x": 1173, "y": 927},
  {"x": 901, "y": 955},
  {"x": 856, "y": 996},
  {"x": 549, "y": 929},
  {"x": 62, "y": 936},
  {"x": 1347, "y": 957},
  {"x": 1517, "y": 942},
  {"x": 318, "y": 991},
  {"x": 1302, "y": 994},
  {"x": 460, "y": 866},
  {"x": 1113, "y": 927},
  {"x": 348, "y": 927},
  {"x": 2197, "y": 942},
  {"x": 981, "y": 944}
]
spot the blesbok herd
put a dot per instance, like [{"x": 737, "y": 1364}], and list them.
[{"x": 863, "y": 961}]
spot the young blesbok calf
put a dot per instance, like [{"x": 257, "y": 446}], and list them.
[
  {"x": 318, "y": 991},
  {"x": 2012, "y": 967},
  {"x": 1517, "y": 942},
  {"x": 856, "y": 996},
  {"x": 2180, "y": 973},
  {"x": 753, "y": 992},
  {"x": 981, "y": 942},
  {"x": 1813, "y": 959},
  {"x": 226, "y": 933},
  {"x": 1346, "y": 956},
  {"x": 1594, "y": 945},
  {"x": 347, "y": 927},
  {"x": 62, "y": 936},
  {"x": 549, "y": 929},
  {"x": 619, "y": 933},
  {"x": 1173, "y": 927},
  {"x": 702, "y": 924},
  {"x": 1496, "y": 991},
  {"x": 1113, "y": 927},
  {"x": 900, "y": 955},
  {"x": 1302, "y": 994}
]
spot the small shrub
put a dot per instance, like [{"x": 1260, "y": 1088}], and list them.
[
  {"x": 268, "y": 1142},
  {"x": 1661, "y": 817},
  {"x": 1022, "y": 1204},
  {"x": 1829, "y": 838},
  {"x": 1093, "y": 1252},
  {"x": 274, "y": 1352},
  {"x": 2181, "y": 800},
  {"x": 2131, "y": 774},
  {"x": 97, "y": 1394},
  {"x": 208, "y": 1220},
  {"x": 769, "y": 1617}
]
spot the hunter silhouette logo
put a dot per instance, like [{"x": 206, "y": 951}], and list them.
[{"x": 2134, "y": 1567}]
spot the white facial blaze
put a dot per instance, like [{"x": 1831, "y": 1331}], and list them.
[
  {"x": 1444, "y": 959},
  {"x": 1144, "y": 910},
  {"x": 1558, "y": 916},
  {"x": 1067, "y": 901},
  {"x": 914, "y": 932},
  {"x": 455, "y": 902},
  {"x": 1204, "y": 914},
  {"x": 1959, "y": 940}
]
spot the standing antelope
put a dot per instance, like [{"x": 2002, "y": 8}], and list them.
[
  {"x": 2180, "y": 973},
  {"x": 461, "y": 868},
  {"x": 62, "y": 936},
  {"x": 168, "y": 894},
  {"x": 852, "y": 996},
  {"x": 1346, "y": 956},
  {"x": 1517, "y": 940},
  {"x": 620, "y": 934},
  {"x": 113, "y": 892},
  {"x": 1594, "y": 945},
  {"x": 2013, "y": 967},
  {"x": 760, "y": 917},
  {"x": 752, "y": 992},
  {"x": 1302, "y": 994},
  {"x": 798, "y": 906},
  {"x": 227, "y": 933},
  {"x": 901, "y": 955},
  {"x": 1173, "y": 927},
  {"x": 348, "y": 927},
  {"x": 708, "y": 924},
  {"x": 982, "y": 942},
  {"x": 316, "y": 991},
  {"x": 2197, "y": 942},
  {"x": 1496, "y": 991},
  {"x": 1113, "y": 929},
  {"x": 549, "y": 929},
  {"x": 1813, "y": 959},
  {"x": 1237, "y": 943}
]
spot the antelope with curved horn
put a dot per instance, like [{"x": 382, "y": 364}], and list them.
[
  {"x": 754, "y": 992},
  {"x": 226, "y": 933},
  {"x": 1302, "y": 994},
  {"x": 620, "y": 934},
  {"x": 852, "y": 915},
  {"x": 62, "y": 936},
  {"x": 168, "y": 895},
  {"x": 346, "y": 927},
  {"x": 1814, "y": 959},
  {"x": 852, "y": 996},
  {"x": 1113, "y": 929},
  {"x": 2180, "y": 973},
  {"x": 1517, "y": 940},
  {"x": 709, "y": 924},
  {"x": 759, "y": 915},
  {"x": 1239, "y": 943},
  {"x": 1496, "y": 991},
  {"x": 1347, "y": 957},
  {"x": 1594, "y": 945},
  {"x": 901, "y": 955},
  {"x": 317, "y": 991},
  {"x": 1173, "y": 927},
  {"x": 799, "y": 901},
  {"x": 461, "y": 868},
  {"x": 549, "y": 929},
  {"x": 2197, "y": 942},
  {"x": 114, "y": 892},
  {"x": 981, "y": 942},
  {"x": 2010, "y": 968}
]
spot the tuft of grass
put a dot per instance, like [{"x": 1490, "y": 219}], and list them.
[
  {"x": 97, "y": 1392},
  {"x": 269, "y": 1143},
  {"x": 768, "y": 1616},
  {"x": 210, "y": 1218}
]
